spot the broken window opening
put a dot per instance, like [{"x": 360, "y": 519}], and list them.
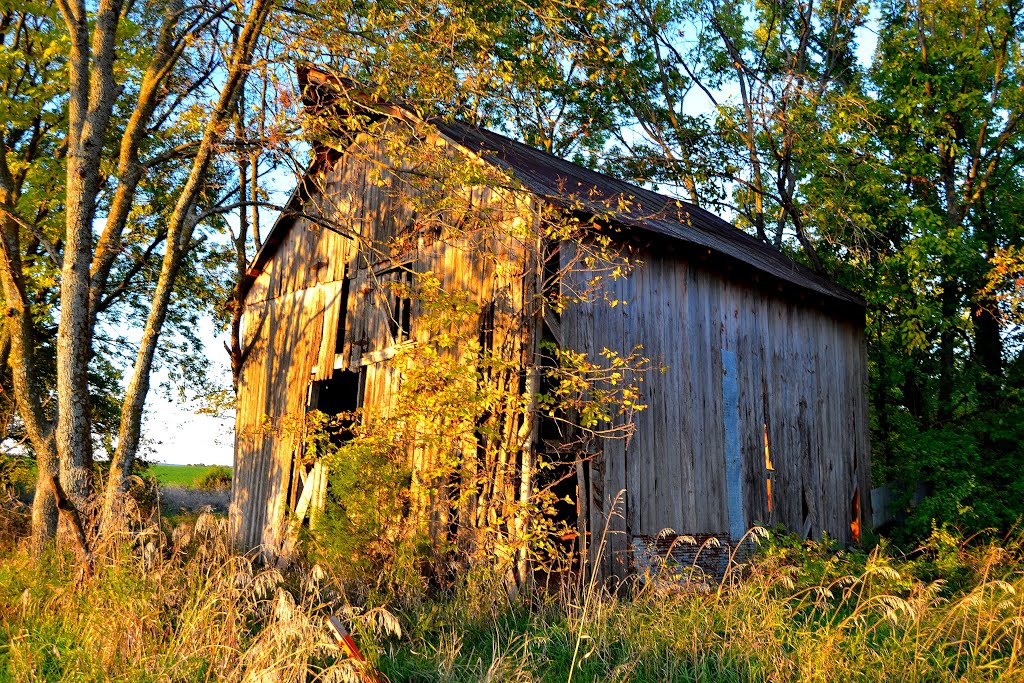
[
  {"x": 341, "y": 395},
  {"x": 400, "y": 322}
]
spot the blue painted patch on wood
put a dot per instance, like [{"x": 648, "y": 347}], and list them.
[{"x": 733, "y": 455}]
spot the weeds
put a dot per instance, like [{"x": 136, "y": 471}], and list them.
[
  {"x": 177, "y": 605},
  {"x": 169, "y": 605},
  {"x": 216, "y": 478}
]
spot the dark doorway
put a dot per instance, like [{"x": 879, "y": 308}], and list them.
[
  {"x": 560, "y": 477},
  {"x": 341, "y": 395}
]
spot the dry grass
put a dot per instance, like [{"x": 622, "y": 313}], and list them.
[
  {"x": 168, "y": 605},
  {"x": 14, "y": 519},
  {"x": 177, "y": 605}
]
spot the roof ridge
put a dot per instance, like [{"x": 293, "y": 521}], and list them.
[
  {"x": 538, "y": 170},
  {"x": 691, "y": 222}
]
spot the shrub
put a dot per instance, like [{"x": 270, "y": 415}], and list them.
[
  {"x": 216, "y": 478},
  {"x": 15, "y": 474}
]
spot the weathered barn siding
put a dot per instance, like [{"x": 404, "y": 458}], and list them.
[
  {"x": 324, "y": 282},
  {"x": 798, "y": 375},
  {"x": 284, "y": 336},
  {"x": 288, "y": 332}
]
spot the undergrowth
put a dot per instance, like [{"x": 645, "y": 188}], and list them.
[{"x": 175, "y": 604}]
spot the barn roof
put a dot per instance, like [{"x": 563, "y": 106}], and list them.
[
  {"x": 583, "y": 190},
  {"x": 575, "y": 187}
]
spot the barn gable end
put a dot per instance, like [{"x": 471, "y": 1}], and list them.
[{"x": 320, "y": 302}]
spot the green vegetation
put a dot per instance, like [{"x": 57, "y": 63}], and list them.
[
  {"x": 176, "y": 604},
  {"x": 190, "y": 476},
  {"x": 216, "y": 478},
  {"x": 17, "y": 473}
]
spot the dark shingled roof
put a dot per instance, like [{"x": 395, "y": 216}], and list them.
[{"x": 577, "y": 188}]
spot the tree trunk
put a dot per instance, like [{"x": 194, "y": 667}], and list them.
[
  {"x": 74, "y": 342},
  {"x": 21, "y": 338},
  {"x": 44, "y": 504},
  {"x": 237, "y": 302},
  {"x": 947, "y": 355},
  {"x": 180, "y": 228},
  {"x": 92, "y": 92}
]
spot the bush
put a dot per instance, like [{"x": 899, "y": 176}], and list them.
[
  {"x": 363, "y": 530},
  {"x": 216, "y": 478},
  {"x": 15, "y": 474}
]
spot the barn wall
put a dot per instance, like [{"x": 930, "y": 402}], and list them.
[
  {"x": 284, "y": 337},
  {"x": 738, "y": 359},
  {"x": 323, "y": 282}
]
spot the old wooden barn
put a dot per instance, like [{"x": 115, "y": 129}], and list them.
[{"x": 756, "y": 409}]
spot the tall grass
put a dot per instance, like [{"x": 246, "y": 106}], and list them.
[
  {"x": 167, "y": 605},
  {"x": 177, "y": 605},
  {"x": 798, "y": 613}
]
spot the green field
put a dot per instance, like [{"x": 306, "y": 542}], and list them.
[
  {"x": 21, "y": 475},
  {"x": 185, "y": 476}
]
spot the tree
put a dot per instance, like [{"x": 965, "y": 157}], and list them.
[
  {"x": 947, "y": 147},
  {"x": 29, "y": 171},
  {"x": 726, "y": 99},
  {"x": 123, "y": 94}
]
